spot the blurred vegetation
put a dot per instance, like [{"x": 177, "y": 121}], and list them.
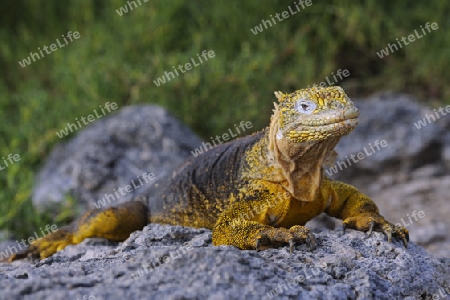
[{"x": 118, "y": 57}]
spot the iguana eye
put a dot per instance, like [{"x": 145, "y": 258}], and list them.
[{"x": 305, "y": 106}]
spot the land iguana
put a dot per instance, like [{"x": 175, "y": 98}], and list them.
[{"x": 254, "y": 192}]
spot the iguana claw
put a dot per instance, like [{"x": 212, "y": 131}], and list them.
[
  {"x": 387, "y": 230},
  {"x": 313, "y": 242},
  {"x": 369, "y": 232},
  {"x": 273, "y": 237},
  {"x": 258, "y": 244},
  {"x": 292, "y": 244},
  {"x": 377, "y": 222}
]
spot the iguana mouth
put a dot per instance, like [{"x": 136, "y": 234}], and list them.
[
  {"x": 351, "y": 121},
  {"x": 329, "y": 118},
  {"x": 320, "y": 127}
]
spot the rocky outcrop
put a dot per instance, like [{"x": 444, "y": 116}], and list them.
[
  {"x": 173, "y": 262},
  {"x": 410, "y": 174},
  {"x": 110, "y": 154},
  {"x": 394, "y": 118}
]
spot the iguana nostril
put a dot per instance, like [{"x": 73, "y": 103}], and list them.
[{"x": 351, "y": 113}]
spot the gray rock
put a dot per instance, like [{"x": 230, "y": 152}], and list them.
[
  {"x": 402, "y": 202},
  {"x": 446, "y": 152},
  {"x": 393, "y": 118},
  {"x": 429, "y": 195},
  {"x": 408, "y": 174},
  {"x": 174, "y": 262},
  {"x": 111, "y": 153}
]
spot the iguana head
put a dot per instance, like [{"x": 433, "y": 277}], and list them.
[
  {"x": 304, "y": 129},
  {"x": 315, "y": 114}
]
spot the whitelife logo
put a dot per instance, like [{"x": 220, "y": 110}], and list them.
[
  {"x": 339, "y": 73},
  {"x": 90, "y": 118},
  {"x": 391, "y": 48},
  {"x": 124, "y": 9},
  {"x": 356, "y": 158},
  {"x": 161, "y": 80},
  {"x": 124, "y": 190},
  {"x": 281, "y": 16},
  {"x": 12, "y": 159},
  {"x": 12, "y": 249},
  {"x": 432, "y": 118},
  {"x": 225, "y": 137},
  {"x": 27, "y": 61}
]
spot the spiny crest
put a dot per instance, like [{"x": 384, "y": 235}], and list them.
[
  {"x": 323, "y": 96},
  {"x": 280, "y": 96}
]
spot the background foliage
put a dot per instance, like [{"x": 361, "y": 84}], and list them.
[{"x": 118, "y": 57}]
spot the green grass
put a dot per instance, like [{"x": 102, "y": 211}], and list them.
[{"x": 118, "y": 57}]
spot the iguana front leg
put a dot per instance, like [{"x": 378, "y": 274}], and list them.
[
  {"x": 358, "y": 211},
  {"x": 243, "y": 227}
]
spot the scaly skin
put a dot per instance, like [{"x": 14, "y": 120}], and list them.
[{"x": 254, "y": 192}]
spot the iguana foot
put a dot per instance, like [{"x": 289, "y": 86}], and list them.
[
  {"x": 45, "y": 246},
  {"x": 272, "y": 237},
  {"x": 377, "y": 222},
  {"x": 113, "y": 223}
]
